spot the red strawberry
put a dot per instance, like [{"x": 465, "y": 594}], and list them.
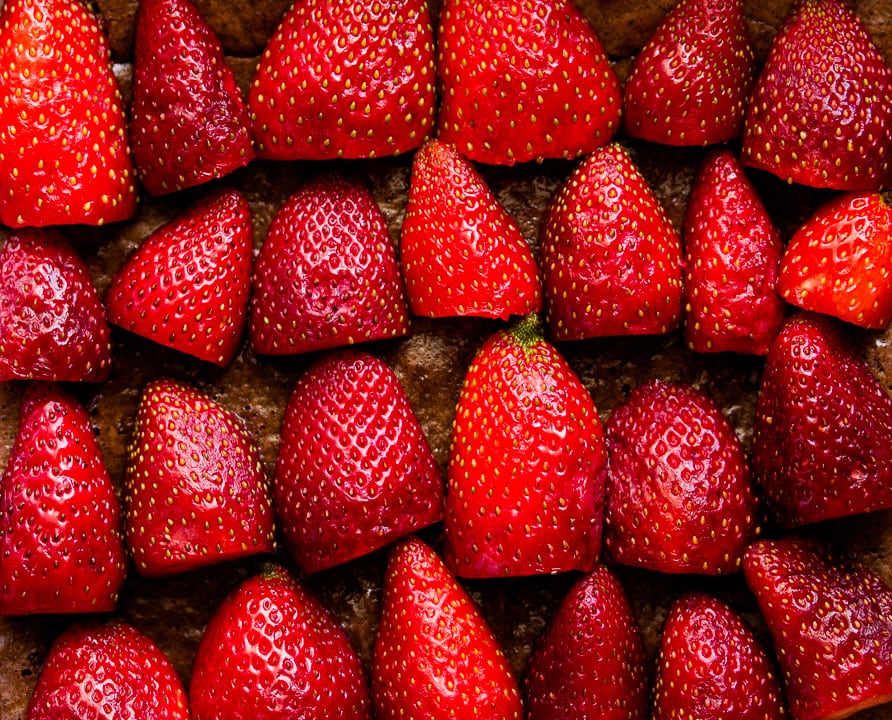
[
  {"x": 52, "y": 323},
  {"x": 189, "y": 121},
  {"x": 64, "y": 156},
  {"x": 327, "y": 273},
  {"x": 523, "y": 81},
  {"x": 831, "y": 624},
  {"x": 379, "y": 480},
  {"x": 679, "y": 494},
  {"x": 589, "y": 662},
  {"x": 187, "y": 286},
  {"x": 197, "y": 493},
  {"x": 435, "y": 657},
  {"x": 712, "y": 667},
  {"x": 822, "y": 435},
  {"x": 611, "y": 260},
  {"x": 840, "y": 261},
  {"x": 821, "y": 111},
  {"x": 61, "y": 539},
  {"x": 273, "y": 652},
  {"x": 731, "y": 269},
  {"x": 345, "y": 79},
  {"x": 461, "y": 253},
  {"x": 526, "y": 469},
  {"x": 690, "y": 82},
  {"x": 109, "y": 672}
]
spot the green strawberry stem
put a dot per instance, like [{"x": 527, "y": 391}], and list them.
[{"x": 528, "y": 330}]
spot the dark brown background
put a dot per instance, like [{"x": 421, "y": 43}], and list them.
[{"x": 430, "y": 363}]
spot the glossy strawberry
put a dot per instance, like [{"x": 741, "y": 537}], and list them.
[
  {"x": 711, "y": 666},
  {"x": 52, "y": 322},
  {"x": 821, "y": 110},
  {"x": 189, "y": 122},
  {"x": 327, "y": 274},
  {"x": 273, "y": 652},
  {"x": 187, "y": 286},
  {"x": 526, "y": 468},
  {"x": 435, "y": 657},
  {"x": 461, "y": 252},
  {"x": 355, "y": 470},
  {"x": 831, "y": 623},
  {"x": 61, "y": 526},
  {"x": 523, "y": 81},
  {"x": 197, "y": 493},
  {"x": 690, "y": 82},
  {"x": 733, "y": 253},
  {"x": 107, "y": 672},
  {"x": 840, "y": 261},
  {"x": 340, "y": 79},
  {"x": 822, "y": 435},
  {"x": 589, "y": 662},
  {"x": 64, "y": 155},
  {"x": 610, "y": 259},
  {"x": 679, "y": 493}
]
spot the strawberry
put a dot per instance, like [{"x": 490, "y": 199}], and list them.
[
  {"x": 340, "y": 79},
  {"x": 679, "y": 493},
  {"x": 327, "y": 274},
  {"x": 189, "y": 121},
  {"x": 821, "y": 111},
  {"x": 187, "y": 286},
  {"x": 52, "y": 322},
  {"x": 107, "y": 672},
  {"x": 822, "y": 435},
  {"x": 61, "y": 526},
  {"x": 273, "y": 652},
  {"x": 197, "y": 493},
  {"x": 731, "y": 268},
  {"x": 589, "y": 662},
  {"x": 831, "y": 624},
  {"x": 523, "y": 81},
  {"x": 711, "y": 666},
  {"x": 461, "y": 253},
  {"x": 690, "y": 82},
  {"x": 435, "y": 657},
  {"x": 64, "y": 156},
  {"x": 379, "y": 481},
  {"x": 526, "y": 468},
  {"x": 840, "y": 261},
  {"x": 611, "y": 260}
]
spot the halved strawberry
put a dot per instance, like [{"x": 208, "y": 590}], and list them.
[
  {"x": 461, "y": 252},
  {"x": 523, "y": 81},
  {"x": 680, "y": 498},
  {"x": 822, "y": 435},
  {"x": 52, "y": 322},
  {"x": 64, "y": 155},
  {"x": 345, "y": 79},
  {"x": 589, "y": 662},
  {"x": 197, "y": 493},
  {"x": 690, "y": 82},
  {"x": 189, "y": 122},
  {"x": 610, "y": 258},
  {"x": 711, "y": 666},
  {"x": 831, "y": 623},
  {"x": 61, "y": 525},
  {"x": 435, "y": 657},
  {"x": 272, "y": 651},
  {"x": 840, "y": 261},
  {"x": 354, "y": 470},
  {"x": 187, "y": 286},
  {"x": 731, "y": 269},
  {"x": 821, "y": 110},
  {"x": 526, "y": 466},
  {"x": 327, "y": 274}
]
